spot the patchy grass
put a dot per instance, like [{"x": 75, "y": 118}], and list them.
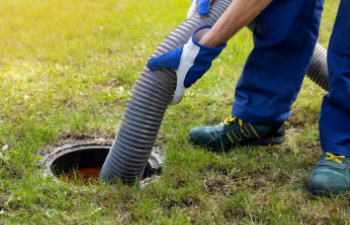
[{"x": 66, "y": 72}]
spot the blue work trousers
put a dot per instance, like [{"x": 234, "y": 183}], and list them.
[
  {"x": 335, "y": 112},
  {"x": 284, "y": 39}
]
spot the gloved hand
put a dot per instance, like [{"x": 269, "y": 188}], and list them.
[
  {"x": 190, "y": 61},
  {"x": 202, "y": 5}
]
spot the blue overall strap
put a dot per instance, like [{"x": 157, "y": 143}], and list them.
[
  {"x": 284, "y": 39},
  {"x": 335, "y": 114}
]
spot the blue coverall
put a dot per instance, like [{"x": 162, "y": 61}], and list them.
[{"x": 284, "y": 39}]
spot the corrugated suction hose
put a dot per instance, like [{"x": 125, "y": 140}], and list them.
[
  {"x": 152, "y": 94},
  {"x": 318, "y": 69}
]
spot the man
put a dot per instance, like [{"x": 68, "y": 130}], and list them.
[{"x": 284, "y": 39}]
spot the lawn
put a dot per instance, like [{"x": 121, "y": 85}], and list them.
[{"x": 66, "y": 72}]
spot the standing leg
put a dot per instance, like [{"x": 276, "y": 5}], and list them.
[
  {"x": 335, "y": 116},
  {"x": 284, "y": 39},
  {"x": 332, "y": 172}
]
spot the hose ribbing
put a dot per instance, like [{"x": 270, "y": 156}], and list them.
[
  {"x": 150, "y": 97},
  {"x": 147, "y": 104},
  {"x": 318, "y": 69}
]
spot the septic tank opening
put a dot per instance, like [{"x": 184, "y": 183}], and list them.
[{"x": 83, "y": 162}]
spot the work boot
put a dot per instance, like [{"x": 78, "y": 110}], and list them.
[
  {"x": 331, "y": 175},
  {"x": 234, "y": 132}
]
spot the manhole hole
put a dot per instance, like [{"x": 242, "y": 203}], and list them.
[{"x": 83, "y": 162}]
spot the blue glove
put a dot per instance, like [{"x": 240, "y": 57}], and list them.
[
  {"x": 202, "y": 5},
  {"x": 190, "y": 61}
]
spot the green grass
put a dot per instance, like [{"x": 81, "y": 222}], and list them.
[{"x": 67, "y": 69}]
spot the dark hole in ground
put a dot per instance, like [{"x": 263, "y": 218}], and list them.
[{"x": 85, "y": 165}]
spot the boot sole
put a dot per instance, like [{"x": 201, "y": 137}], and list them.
[
  {"x": 326, "y": 193},
  {"x": 320, "y": 193},
  {"x": 268, "y": 141},
  {"x": 261, "y": 142}
]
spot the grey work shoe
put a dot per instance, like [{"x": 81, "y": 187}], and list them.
[
  {"x": 234, "y": 132},
  {"x": 331, "y": 175}
]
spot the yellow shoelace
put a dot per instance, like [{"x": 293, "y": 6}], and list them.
[
  {"x": 334, "y": 158},
  {"x": 232, "y": 119},
  {"x": 244, "y": 129}
]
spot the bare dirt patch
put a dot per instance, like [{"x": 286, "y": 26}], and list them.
[
  {"x": 3, "y": 199},
  {"x": 221, "y": 184}
]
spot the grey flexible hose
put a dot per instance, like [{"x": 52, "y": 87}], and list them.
[
  {"x": 148, "y": 102},
  {"x": 318, "y": 69}
]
